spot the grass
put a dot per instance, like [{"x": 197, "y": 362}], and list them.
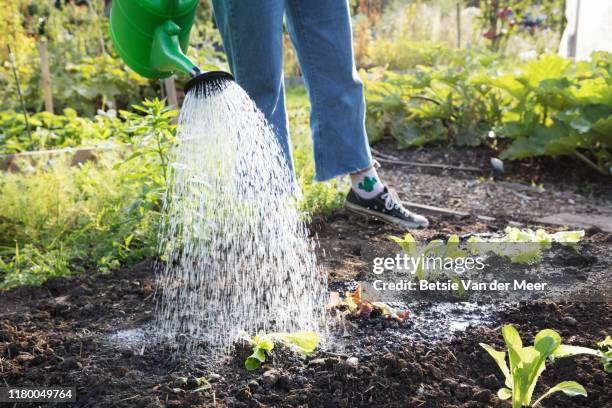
[{"x": 57, "y": 219}]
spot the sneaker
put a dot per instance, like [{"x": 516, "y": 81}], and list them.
[{"x": 387, "y": 207}]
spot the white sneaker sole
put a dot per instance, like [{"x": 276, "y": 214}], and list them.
[{"x": 386, "y": 218}]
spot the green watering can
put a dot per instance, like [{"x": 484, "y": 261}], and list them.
[{"x": 152, "y": 36}]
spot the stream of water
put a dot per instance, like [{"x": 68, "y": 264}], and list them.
[{"x": 236, "y": 251}]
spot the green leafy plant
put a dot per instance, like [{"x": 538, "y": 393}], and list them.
[
  {"x": 523, "y": 246},
  {"x": 433, "y": 104},
  {"x": 99, "y": 82},
  {"x": 263, "y": 344},
  {"x": 59, "y": 219},
  {"x": 546, "y": 107},
  {"x": 57, "y": 131},
  {"x": 606, "y": 357},
  {"x": 554, "y": 107},
  {"x": 437, "y": 248},
  {"x": 528, "y": 363}
]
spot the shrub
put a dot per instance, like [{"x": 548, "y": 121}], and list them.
[
  {"x": 546, "y": 107},
  {"x": 57, "y": 219},
  {"x": 51, "y": 131}
]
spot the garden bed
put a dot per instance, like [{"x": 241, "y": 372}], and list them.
[
  {"x": 89, "y": 331},
  {"x": 66, "y": 333}
]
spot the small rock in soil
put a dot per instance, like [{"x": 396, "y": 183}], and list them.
[
  {"x": 390, "y": 360},
  {"x": 253, "y": 385},
  {"x": 491, "y": 382},
  {"x": 24, "y": 357},
  {"x": 214, "y": 378},
  {"x": 352, "y": 362},
  {"x": 285, "y": 381},
  {"x": 316, "y": 362},
  {"x": 483, "y": 395},
  {"x": 570, "y": 321},
  {"x": 244, "y": 394},
  {"x": 271, "y": 377},
  {"x": 449, "y": 383},
  {"x": 69, "y": 363},
  {"x": 463, "y": 392}
]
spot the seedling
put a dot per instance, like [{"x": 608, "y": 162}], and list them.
[
  {"x": 435, "y": 248},
  {"x": 528, "y": 363},
  {"x": 523, "y": 246},
  {"x": 263, "y": 344},
  {"x": 606, "y": 356}
]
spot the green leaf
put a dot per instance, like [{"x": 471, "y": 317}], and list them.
[
  {"x": 542, "y": 335},
  {"x": 568, "y": 236},
  {"x": 263, "y": 342},
  {"x": 607, "y": 342},
  {"x": 306, "y": 342},
  {"x": 604, "y": 128},
  {"x": 408, "y": 244},
  {"x": 374, "y": 129},
  {"x": 606, "y": 360},
  {"x": 251, "y": 364},
  {"x": 504, "y": 393},
  {"x": 254, "y": 360},
  {"x": 550, "y": 66},
  {"x": 500, "y": 359},
  {"x": 259, "y": 354},
  {"x": 570, "y": 388},
  {"x": 406, "y": 132},
  {"x": 512, "y": 337},
  {"x": 565, "y": 350},
  {"x": 452, "y": 248}
]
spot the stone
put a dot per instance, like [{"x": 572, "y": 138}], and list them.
[
  {"x": 271, "y": 377},
  {"x": 352, "y": 362}
]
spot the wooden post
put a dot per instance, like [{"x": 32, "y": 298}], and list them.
[
  {"x": 171, "y": 92},
  {"x": 45, "y": 74},
  {"x": 458, "y": 24}
]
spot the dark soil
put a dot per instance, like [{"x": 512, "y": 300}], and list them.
[
  {"x": 64, "y": 334},
  {"x": 526, "y": 190},
  {"x": 88, "y": 331}
]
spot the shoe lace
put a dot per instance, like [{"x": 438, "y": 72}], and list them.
[{"x": 391, "y": 203}]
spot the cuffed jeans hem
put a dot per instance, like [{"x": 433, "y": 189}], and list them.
[{"x": 322, "y": 176}]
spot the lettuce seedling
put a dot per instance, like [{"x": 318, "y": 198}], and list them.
[
  {"x": 533, "y": 242},
  {"x": 263, "y": 344},
  {"x": 528, "y": 363},
  {"x": 435, "y": 248},
  {"x": 606, "y": 356}
]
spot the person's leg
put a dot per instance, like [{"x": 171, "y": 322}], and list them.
[
  {"x": 321, "y": 33},
  {"x": 252, "y": 33}
]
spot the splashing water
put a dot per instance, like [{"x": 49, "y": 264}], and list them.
[{"x": 235, "y": 246}]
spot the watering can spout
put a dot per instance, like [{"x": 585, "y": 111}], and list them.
[
  {"x": 152, "y": 36},
  {"x": 166, "y": 53}
]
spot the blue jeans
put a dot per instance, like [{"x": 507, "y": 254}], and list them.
[{"x": 252, "y": 32}]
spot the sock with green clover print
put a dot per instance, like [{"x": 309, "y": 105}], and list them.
[{"x": 366, "y": 183}]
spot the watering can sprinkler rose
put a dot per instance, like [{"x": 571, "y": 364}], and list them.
[{"x": 152, "y": 36}]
